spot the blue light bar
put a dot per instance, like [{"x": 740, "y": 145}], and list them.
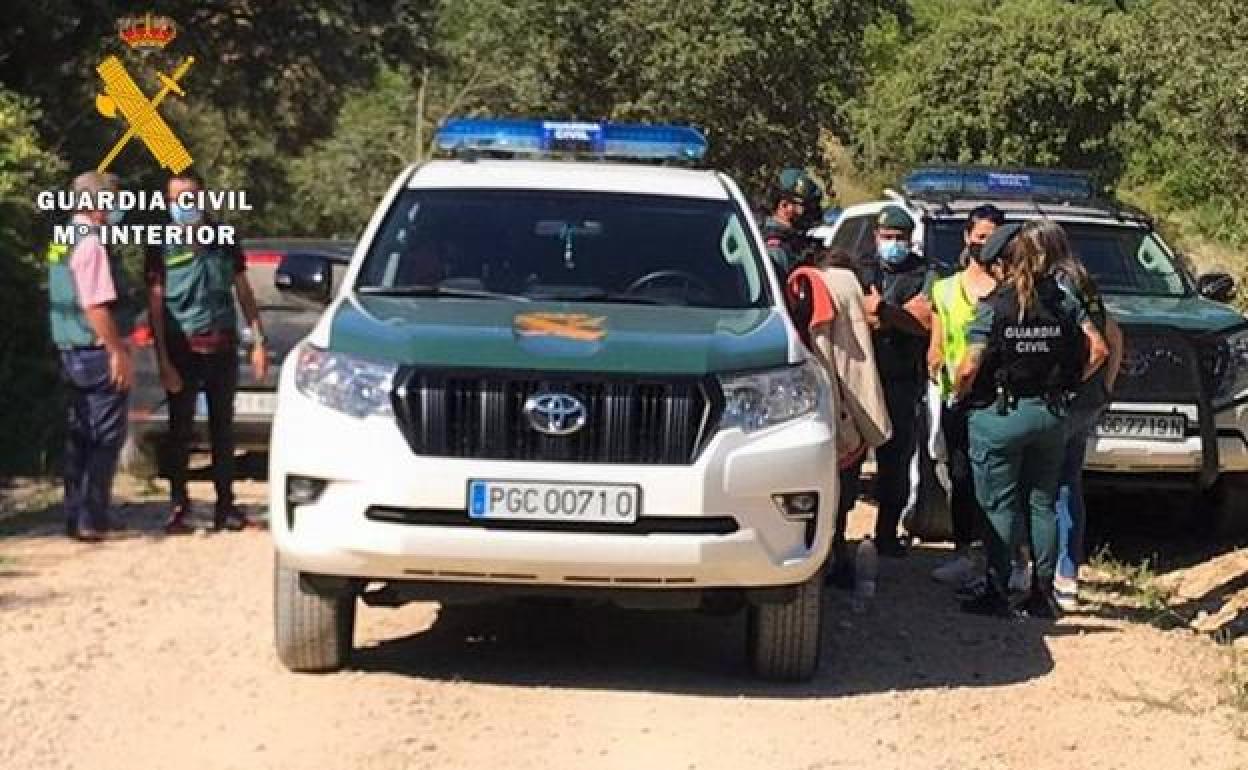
[
  {"x": 975, "y": 182},
  {"x": 554, "y": 138}
]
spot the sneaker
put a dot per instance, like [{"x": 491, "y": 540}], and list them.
[
  {"x": 956, "y": 571},
  {"x": 989, "y": 603},
  {"x": 1066, "y": 593},
  {"x": 229, "y": 518},
  {"x": 1040, "y": 604},
  {"x": 1020, "y": 579},
  {"x": 179, "y": 521},
  {"x": 86, "y": 534}
]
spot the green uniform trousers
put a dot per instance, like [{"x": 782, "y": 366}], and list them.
[{"x": 1016, "y": 459}]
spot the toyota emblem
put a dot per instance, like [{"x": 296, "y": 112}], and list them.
[{"x": 555, "y": 414}]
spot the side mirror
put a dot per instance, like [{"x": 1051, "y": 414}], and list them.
[
  {"x": 307, "y": 276},
  {"x": 1219, "y": 287}
]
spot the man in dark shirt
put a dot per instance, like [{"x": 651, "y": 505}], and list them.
[
  {"x": 191, "y": 292},
  {"x": 896, "y": 287},
  {"x": 794, "y": 201}
]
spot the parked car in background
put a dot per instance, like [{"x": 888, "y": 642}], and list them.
[
  {"x": 287, "y": 319},
  {"x": 1179, "y": 417}
]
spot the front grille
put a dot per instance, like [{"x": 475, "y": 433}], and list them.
[
  {"x": 645, "y": 525},
  {"x": 481, "y": 415},
  {"x": 1160, "y": 366}
]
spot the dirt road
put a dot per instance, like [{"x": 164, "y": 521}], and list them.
[{"x": 153, "y": 652}]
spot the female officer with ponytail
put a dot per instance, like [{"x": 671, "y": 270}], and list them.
[{"x": 1027, "y": 353}]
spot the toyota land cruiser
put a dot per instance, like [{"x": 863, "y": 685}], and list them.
[{"x": 559, "y": 364}]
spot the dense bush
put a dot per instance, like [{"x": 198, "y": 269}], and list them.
[{"x": 30, "y": 417}]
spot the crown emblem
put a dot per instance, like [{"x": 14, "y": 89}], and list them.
[{"x": 147, "y": 32}]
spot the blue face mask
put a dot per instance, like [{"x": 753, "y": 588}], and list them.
[
  {"x": 115, "y": 216},
  {"x": 893, "y": 252},
  {"x": 183, "y": 216}
]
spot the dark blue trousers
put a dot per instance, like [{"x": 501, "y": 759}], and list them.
[{"x": 97, "y": 417}]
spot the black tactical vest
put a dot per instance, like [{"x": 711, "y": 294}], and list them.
[{"x": 1041, "y": 354}]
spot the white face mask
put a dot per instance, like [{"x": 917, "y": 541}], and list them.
[{"x": 185, "y": 216}]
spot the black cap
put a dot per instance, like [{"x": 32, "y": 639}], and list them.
[{"x": 997, "y": 243}]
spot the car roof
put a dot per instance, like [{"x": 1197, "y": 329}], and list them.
[
  {"x": 1106, "y": 213},
  {"x": 605, "y": 177}
]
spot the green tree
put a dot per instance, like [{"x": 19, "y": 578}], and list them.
[
  {"x": 339, "y": 180},
  {"x": 1189, "y": 143},
  {"x": 1023, "y": 82},
  {"x": 28, "y": 369},
  {"x": 761, "y": 79}
]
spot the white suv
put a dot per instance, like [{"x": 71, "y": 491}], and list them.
[
  {"x": 1179, "y": 416},
  {"x": 570, "y": 377}
]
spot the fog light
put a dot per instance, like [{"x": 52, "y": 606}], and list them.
[
  {"x": 301, "y": 490},
  {"x": 797, "y": 505}
]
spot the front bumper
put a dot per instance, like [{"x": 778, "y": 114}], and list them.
[
  {"x": 369, "y": 465},
  {"x": 1151, "y": 456}
]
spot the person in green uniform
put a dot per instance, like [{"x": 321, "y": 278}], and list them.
[
  {"x": 897, "y": 282},
  {"x": 794, "y": 201},
  {"x": 91, "y": 317},
  {"x": 191, "y": 293},
  {"x": 1027, "y": 353},
  {"x": 954, "y": 300}
]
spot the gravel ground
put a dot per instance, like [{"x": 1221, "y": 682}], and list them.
[{"x": 152, "y": 652}]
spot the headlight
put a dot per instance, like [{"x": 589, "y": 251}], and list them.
[
  {"x": 1230, "y": 368},
  {"x": 762, "y": 399},
  {"x": 349, "y": 384}
]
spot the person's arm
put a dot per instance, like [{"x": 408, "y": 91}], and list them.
[
  {"x": 935, "y": 350},
  {"x": 121, "y": 370},
  {"x": 154, "y": 276},
  {"x": 968, "y": 370},
  {"x": 914, "y": 317},
  {"x": 251, "y": 314},
  {"x": 977, "y": 343},
  {"x": 1079, "y": 306},
  {"x": 93, "y": 281},
  {"x": 1117, "y": 349},
  {"x": 1098, "y": 350}
]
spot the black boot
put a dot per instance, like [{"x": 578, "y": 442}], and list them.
[
  {"x": 1040, "y": 604},
  {"x": 989, "y": 601}
]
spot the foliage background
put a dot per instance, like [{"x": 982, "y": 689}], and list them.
[{"x": 313, "y": 107}]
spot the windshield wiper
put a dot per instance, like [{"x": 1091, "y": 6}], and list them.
[
  {"x": 598, "y": 295},
  {"x": 427, "y": 290}
]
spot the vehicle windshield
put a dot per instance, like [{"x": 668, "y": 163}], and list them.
[
  {"x": 570, "y": 246},
  {"x": 1123, "y": 260}
]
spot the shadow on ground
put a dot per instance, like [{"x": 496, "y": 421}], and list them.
[{"x": 912, "y": 637}]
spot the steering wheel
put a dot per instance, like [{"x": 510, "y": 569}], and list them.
[{"x": 688, "y": 280}]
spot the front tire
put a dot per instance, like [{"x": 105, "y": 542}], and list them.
[
  {"x": 314, "y": 631},
  {"x": 783, "y": 640}
]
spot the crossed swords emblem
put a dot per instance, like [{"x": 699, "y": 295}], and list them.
[{"x": 123, "y": 95}]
